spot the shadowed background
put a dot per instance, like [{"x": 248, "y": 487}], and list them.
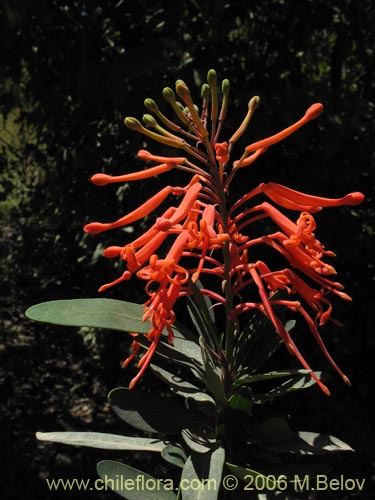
[{"x": 70, "y": 72}]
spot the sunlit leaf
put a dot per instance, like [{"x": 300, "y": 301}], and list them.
[
  {"x": 133, "y": 484},
  {"x": 203, "y": 470},
  {"x": 98, "y": 313},
  {"x": 275, "y": 433},
  {"x": 175, "y": 455},
  {"x": 260, "y": 377},
  {"x": 103, "y": 440}
]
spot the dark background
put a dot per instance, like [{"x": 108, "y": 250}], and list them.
[{"x": 70, "y": 71}]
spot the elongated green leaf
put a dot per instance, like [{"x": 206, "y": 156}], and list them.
[
  {"x": 259, "y": 340},
  {"x": 183, "y": 387},
  {"x": 175, "y": 455},
  {"x": 183, "y": 353},
  {"x": 212, "y": 375},
  {"x": 275, "y": 434},
  {"x": 201, "y": 313},
  {"x": 296, "y": 383},
  {"x": 103, "y": 441},
  {"x": 176, "y": 383},
  {"x": 98, "y": 313},
  {"x": 153, "y": 413},
  {"x": 287, "y": 472},
  {"x": 242, "y": 401},
  {"x": 203, "y": 472},
  {"x": 188, "y": 348},
  {"x": 247, "y": 475},
  {"x": 260, "y": 377},
  {"x": 199, "y": 442},
  {"x": 133, "y": 484}
]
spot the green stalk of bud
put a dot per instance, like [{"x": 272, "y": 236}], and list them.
[
  {"x": 225, "y": 86},
  {"x": 184, "y": 93},
  {"x": 252, "y": 106},
  {"x": 170, "y": 97},
  {"x": 150, "y": 121},
  {"x": 212, "y": 80},
  {"x": 134, "y": 124},
  {"x": 151, "y": 105}
]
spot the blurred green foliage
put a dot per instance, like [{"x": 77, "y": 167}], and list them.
[{"x": 71, "y": 71}]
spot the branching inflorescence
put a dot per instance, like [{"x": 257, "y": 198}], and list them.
[{"x": 208, "y": 237}]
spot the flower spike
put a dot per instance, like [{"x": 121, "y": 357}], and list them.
[{"x": 206, "y": 237}]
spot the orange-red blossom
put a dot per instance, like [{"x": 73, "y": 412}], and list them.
[{"x": 212, "y": 238}]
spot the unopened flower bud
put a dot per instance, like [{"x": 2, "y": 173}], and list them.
[
  {"x": 205, "y": 91},
  {"x": 212, "y": 77},
  {"x": 182, "y": 90},
  {"x": 149, "y": 120},
  {"x": 225, "y": 86},
  {"x": 151, "y": 105},
  {"x": 133, "y": 123},
  {"x": 254, "y": 103},
  {"x": 169, "y": 95}
]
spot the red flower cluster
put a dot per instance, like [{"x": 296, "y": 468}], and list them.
[{"x": 214, "y": 236}]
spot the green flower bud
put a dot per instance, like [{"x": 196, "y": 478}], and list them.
[
  {"x": 254, "y": 103},
  {"x": 133, "y": 123},
  {"x": 205, "y": 92},
  {"x": 149, "y": 120},
  {"x": 182, "y": 90},
  {"x": 212, "y": 77},
  {"x": 225, "y": 86},
  {"x": 151, "y": 105},
  {"x": 169, "y": 95}
]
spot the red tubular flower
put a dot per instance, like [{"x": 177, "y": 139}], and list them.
[{"x": 214, "y": 238}]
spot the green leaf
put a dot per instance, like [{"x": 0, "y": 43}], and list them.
[
  {"x": 212, "y": 375},
  {"x": 103, "y": 441},
  {"x": 297, "y": 383},
  {"x": 175, "y": 383},
  {"x": 133, "y": 484},
  {"x": 199, "y": 442},
  {"x": 245, "y": 473},
  {"x": 153, "y": 413},
  {"x": 183, "y": 353},
  {"x": 203, "y": 470},
  {"x": 98, "y": 313},
  {"x": 200, "y": 310},
  {"x": 188, "y": 348},
  {"x": 242, "y": 400},
  {"x": 287, "y": 472},
  {"x": 175, "y": 455},
  {"x": 302, "y": 380},
  {"x": 275, "y": 434},
  {"x": 182, "y": 387},
  {"x": 260, "y": 377},
  {"x": 267, "y": 477},
  {"x": 259, "y": 340}
]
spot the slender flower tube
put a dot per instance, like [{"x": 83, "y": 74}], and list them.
[{"x": 206, "y": 236}]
